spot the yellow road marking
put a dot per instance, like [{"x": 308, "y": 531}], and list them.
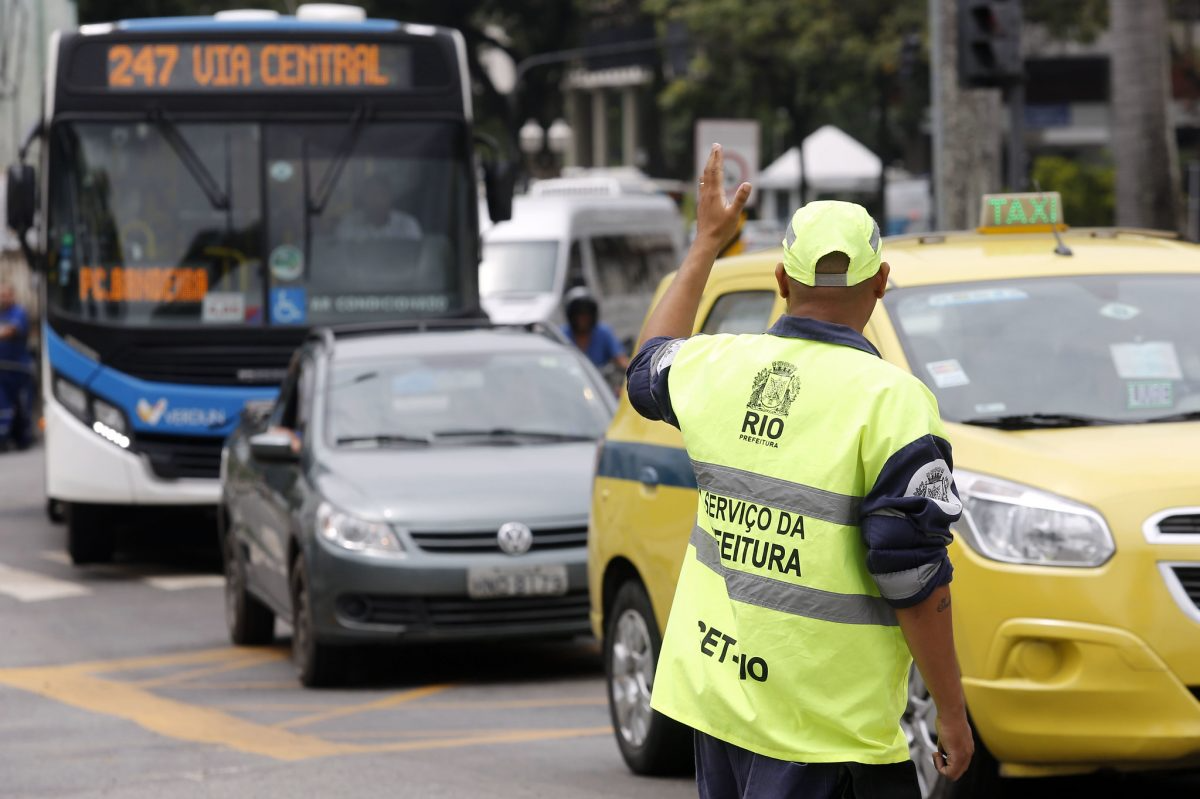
[
  {"x": 74, "y": 686},
  {"x": 506, "y": 704},
  {"x": 511, "y": 737},
  {"x": 204, "y": 671},
  {"x": 365, "y": 707},
  {"x": 80, "y": 686}
]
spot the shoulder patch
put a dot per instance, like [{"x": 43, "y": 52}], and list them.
[
  {"x": 935, "y": 481},
  {"x": 665, "y": 355}
]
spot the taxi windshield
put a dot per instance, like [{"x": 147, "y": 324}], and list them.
[
  {"x": 1056, "y": 351},
  {"x": 160, "y": 222},
  {"x": 493, "y": 397}
]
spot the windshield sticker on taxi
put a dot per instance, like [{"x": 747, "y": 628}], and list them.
[
  {"x": 976, "y": 296},
  {"x": 947, "y": 374},
  {"x": 1142, "y": 394},
  {"x": 1119, "y": 311},
  {"x": 1147, "y": 360}
]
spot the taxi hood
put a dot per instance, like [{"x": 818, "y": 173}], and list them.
[
  {"x": 1127, "y": 472},
  {"x": 457, "y": 486}
]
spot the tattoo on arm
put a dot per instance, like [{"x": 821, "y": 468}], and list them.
[{"x": 944, "y": 604}]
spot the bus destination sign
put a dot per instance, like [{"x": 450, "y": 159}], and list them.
[{"x": 265, "y": 66}]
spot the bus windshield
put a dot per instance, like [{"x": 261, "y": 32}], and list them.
[{"x": 243, "y": 223}]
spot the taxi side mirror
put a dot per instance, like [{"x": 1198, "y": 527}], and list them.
[
  {"x": 274, "y": 446},
  {"x": 20, "y": 198}
]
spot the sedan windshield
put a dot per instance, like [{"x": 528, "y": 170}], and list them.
[
  {"x": 1056, "y": 351},
  {"x": 497, "y": 397},
  {"x": 518, "y": 267}
]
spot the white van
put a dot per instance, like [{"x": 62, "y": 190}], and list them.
[{"x": 596, "y": 232}]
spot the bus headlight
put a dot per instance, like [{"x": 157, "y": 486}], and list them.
[
  {"x": 109, "y": 416},
  {"x": 1014, "y": 523},
  {"x": 71, "y": 396},
  {"x": 355, "y": 534}
]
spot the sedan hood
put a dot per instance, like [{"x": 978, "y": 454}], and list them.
[{"x": 461, "y": 487}]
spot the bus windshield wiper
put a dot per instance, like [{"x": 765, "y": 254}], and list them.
[
  {"x": 1032, "y": 421},
  {"x": 384, "y": 439},
  {"x": 315, "y": 206},
  {"x": 509, "y": 432},
  {"x": 187, "y": 154}
]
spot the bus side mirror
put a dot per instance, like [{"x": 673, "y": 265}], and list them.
[
  {"x": 21, "y": 198},
  {"x": 499, "y": 182}
]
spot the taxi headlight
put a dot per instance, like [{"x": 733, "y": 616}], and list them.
[
  {"x": 1014, "y": 523},
  {"x": 355, "y": 534}
]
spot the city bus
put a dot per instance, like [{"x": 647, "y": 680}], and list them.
[{"x": 208, "y": 189}]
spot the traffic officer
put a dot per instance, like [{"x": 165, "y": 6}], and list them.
[
  {"x": 818, "y": 560},
  {"x": 16, "y": 369}
]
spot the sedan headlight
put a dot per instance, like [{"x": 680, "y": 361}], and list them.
[
  {"x": 1014, "y": 523},
  {"x": 355, "y": 534}
]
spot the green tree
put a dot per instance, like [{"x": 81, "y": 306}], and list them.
[
  {"x": 805, "y": 64},
  {"x": 1088, "y": 190}
]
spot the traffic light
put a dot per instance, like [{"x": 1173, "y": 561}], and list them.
[{"x": 989, "y": 42}]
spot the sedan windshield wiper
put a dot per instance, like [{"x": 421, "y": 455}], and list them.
[
  {"x": 384, "y": 439},
  {"x": 509, "y": 432},
  {"x": 1031, "y": 421}
]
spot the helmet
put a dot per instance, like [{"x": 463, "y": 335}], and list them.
[{"x": 579, "y": 300}]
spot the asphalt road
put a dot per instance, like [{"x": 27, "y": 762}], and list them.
[{"x": 118, "y": 681}]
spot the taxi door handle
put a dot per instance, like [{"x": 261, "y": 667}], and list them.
[{"x": 648, "y": 477}]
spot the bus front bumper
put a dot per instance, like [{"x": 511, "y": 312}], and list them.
[{"x": 83, "y": 467}]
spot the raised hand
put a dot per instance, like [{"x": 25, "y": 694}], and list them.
[{"x": 716, "y": 219}]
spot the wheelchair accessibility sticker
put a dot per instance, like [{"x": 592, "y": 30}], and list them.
[{"x": 289, "y": 306}]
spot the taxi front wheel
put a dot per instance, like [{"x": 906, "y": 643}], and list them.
[
  {"x": 982, "y": 780},
  {"x": 650, "y": 743}
]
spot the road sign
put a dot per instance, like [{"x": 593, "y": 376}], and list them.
[{"x": 739, "y": 142}]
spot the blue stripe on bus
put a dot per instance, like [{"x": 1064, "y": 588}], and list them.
[
  {"x": 626, "y": 460},
  {"x": 153, "y": 407}
]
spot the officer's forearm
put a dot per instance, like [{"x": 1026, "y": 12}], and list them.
[
  {"x": 675, "y": 314},
  {"x": 930, "y": 634}
]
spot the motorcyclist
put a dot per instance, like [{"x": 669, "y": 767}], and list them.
[{"x": 594, "y": 338}]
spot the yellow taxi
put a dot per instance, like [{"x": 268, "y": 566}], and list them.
[{"x": 1066, "y": 364}]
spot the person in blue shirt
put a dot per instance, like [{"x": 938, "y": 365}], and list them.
[
  {"x": 16, "y": 370},
  {"x": 584, "y": 328}
]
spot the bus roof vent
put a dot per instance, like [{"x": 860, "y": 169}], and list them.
[
  {"x": 330, "y": 12},
  {"x": 246, "y": 15}
]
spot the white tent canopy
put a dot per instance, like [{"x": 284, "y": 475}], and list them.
[{"x": 834, "y": 161}]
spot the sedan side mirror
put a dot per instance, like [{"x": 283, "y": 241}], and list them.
[
  {"x": 274, "y": 446},
  {"x": 21, "y": 198},
  {"x": 499, "y": 182}
]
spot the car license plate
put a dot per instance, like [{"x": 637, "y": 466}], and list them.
[{"x": 494, "y": 582}]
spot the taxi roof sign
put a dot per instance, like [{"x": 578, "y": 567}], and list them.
[{"x": 1023, "y": 212}]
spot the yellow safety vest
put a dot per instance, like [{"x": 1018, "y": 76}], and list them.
[{"x": 778, "y": 640}]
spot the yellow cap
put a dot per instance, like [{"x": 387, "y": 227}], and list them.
[{"x": 826, "y": 226}]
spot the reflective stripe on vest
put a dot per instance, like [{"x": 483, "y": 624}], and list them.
[{"x": 798, "y": 600}]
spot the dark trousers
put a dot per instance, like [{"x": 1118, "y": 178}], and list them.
[
  {"x": 725, "y": 771},
  {"x": 16, "y": 399}
]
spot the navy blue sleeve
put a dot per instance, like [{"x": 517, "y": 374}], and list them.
[
  {"x": 646, "y": 379},
  {"x": 906, "y": 521},
  {"x": 20, "y": 320}
]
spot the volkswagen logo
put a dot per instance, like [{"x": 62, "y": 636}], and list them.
[{"x": 514, "y": 538}]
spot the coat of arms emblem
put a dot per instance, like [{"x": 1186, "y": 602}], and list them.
[{"x": 775, "y": 388}]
